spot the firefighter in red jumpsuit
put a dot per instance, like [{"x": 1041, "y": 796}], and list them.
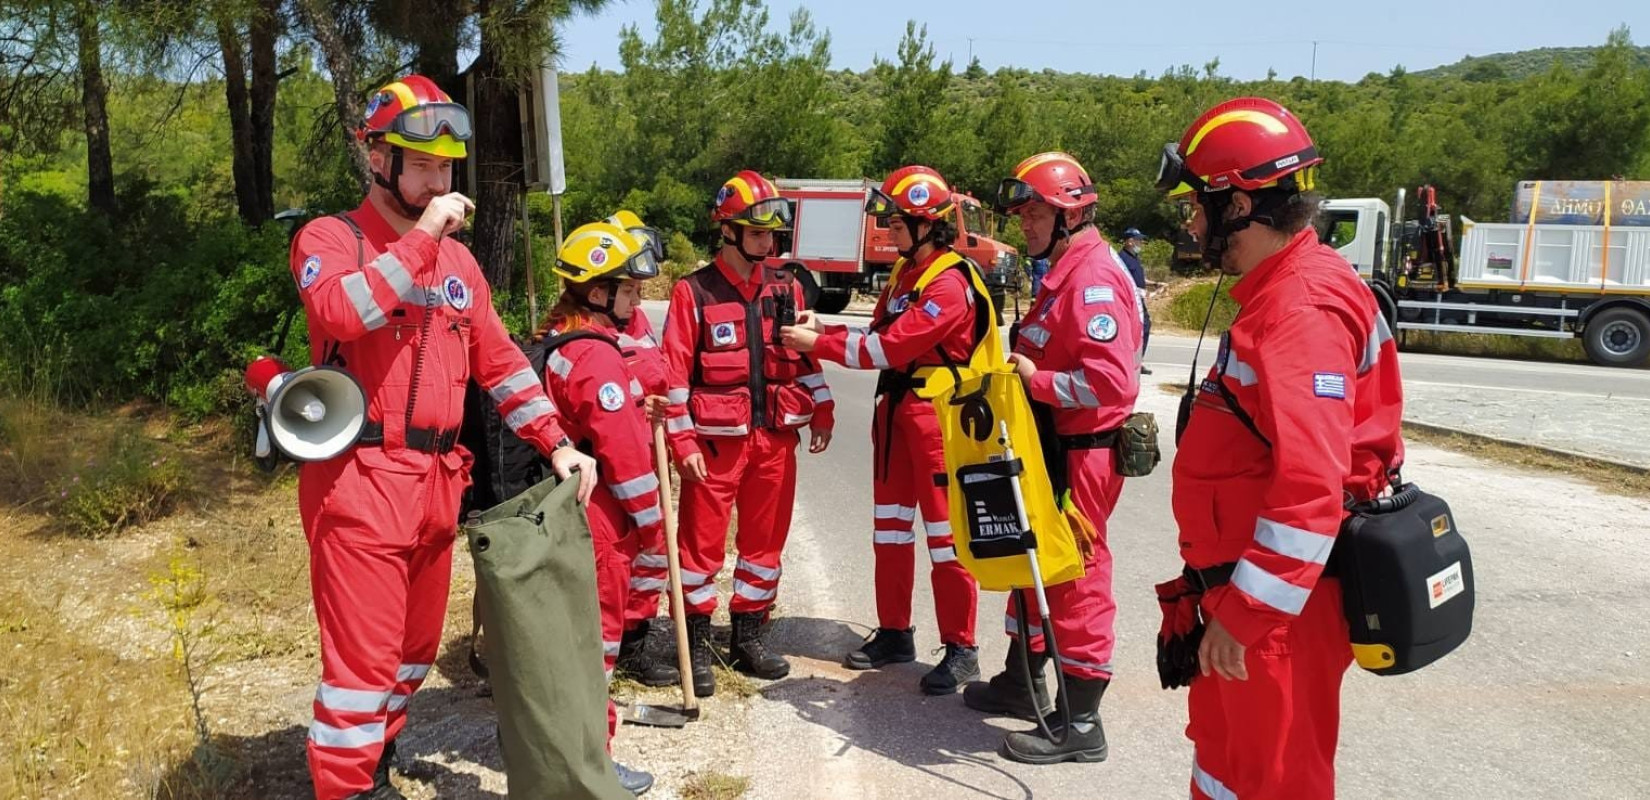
[
  {"x": 909, "y": 331},
  {"x": 1077, "y": 352},
  {"x": 601, "y": 401},
  {"x": 1301, "y": 410},
  {"x": 403, "y": 308},
  {"x": 746, "y": 398}
]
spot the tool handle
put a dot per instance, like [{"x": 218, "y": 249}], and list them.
[{"x": 673, "y": 556}]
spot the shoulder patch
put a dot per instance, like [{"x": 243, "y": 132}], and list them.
[
  {"x": 1098, "y": 294},
  {"x": 931, "y": 308},
  {"x": 1329, "y": 384},
  {"x": 1102, "y": 328},
  {"x": 610, "y": 396},
  {"x": 899, "y": 303},
  {"x": 312, "y": 270}
]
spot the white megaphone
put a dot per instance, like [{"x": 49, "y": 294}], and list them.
[{"x": 312, "y": 414}]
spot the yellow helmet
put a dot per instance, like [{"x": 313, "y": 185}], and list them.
[
  {"x": 604, "y": 251},
  {"x": 632, "y": 224}
]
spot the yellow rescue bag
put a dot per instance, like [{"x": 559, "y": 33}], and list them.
[{"x": 983, "y": 413}]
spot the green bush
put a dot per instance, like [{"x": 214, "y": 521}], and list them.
[
  {"x": 156, "y": 304},
  {"x": 1188, "y": 309},
  {"x": 681, "y": 257},
  {"x": 131, "y": 485},
  {"x": 1156, "y": 255}
]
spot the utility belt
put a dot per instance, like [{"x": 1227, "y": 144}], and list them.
[{"x": 424, "y": 440}]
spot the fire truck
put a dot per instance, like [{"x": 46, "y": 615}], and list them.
[
  {"x": 846, "y": 250},
  {"x": 1572, "y": 261}
]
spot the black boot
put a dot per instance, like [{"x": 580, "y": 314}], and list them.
[
  {"x": 749, "y": 653},
  {"x": 641, "y": 660},
  {"x": 1086, "y": 739},
  {"x": 1006, "y": 693},
  {"x": 700, "y": 653},
  {"x": 634, "y": 781},
  {"x": 382, "y": 789},
  {"x": 960, "y": 665},
  {"x": 885, "y": 646}
]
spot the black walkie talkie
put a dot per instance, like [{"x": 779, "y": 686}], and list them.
[{"x": 784, "y": 311}]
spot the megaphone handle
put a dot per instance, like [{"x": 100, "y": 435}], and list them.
[{"x": 261, "y": 448}]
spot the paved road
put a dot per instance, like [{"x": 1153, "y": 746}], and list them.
[{"x": 1549, "y": 698}]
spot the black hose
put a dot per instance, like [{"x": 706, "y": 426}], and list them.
[{"x": 1063, "y": 700}]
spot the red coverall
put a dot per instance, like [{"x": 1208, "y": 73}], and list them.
[
  {"x": 1084, "y": 337},
  {"x": 746, "y": 399},
  {"x": 601, "y": 407},
  {"x": 906, "y": 333},
  {"x": 411, "y": 326},
  {"x": 1311, "y": 360},
  {"x": 650, "y": 571}
]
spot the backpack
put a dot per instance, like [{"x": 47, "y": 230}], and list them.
[{"x": 505, "y": 464}]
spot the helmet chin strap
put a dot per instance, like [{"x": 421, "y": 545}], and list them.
[
  {"x": 607, "y": 307},
  {"x": 738, "y": 242},
  {"x": 393, "y": 183},
  {"x": 1060, "y": 232},
  {"x": 1222, "y": 229},
  {"x": 911, "y": 223}
]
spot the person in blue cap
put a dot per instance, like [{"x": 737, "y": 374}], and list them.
[{"x": 1133, "y": 240}]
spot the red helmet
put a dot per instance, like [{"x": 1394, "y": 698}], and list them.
[
  {"x": 414, "y": 113},
  {"x": 1249, "y": 143},
  {"x": 913, "y": 191},
  {"x": 751, "y": 200},
  {"x": 1054, "y": 178}
]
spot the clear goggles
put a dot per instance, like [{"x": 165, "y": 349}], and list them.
[{"x": 428, "y": 122}]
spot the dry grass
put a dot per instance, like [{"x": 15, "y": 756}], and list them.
[{"x": 714, "y": 786}]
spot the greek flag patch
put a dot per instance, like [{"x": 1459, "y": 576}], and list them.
[
  {"x": 1329, "y": 384},
  {"x": 1098, "y": 294},
  {"x": 931, "y": 308}
]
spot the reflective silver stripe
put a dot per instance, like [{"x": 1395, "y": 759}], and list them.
[
  {"x": 360, "y": 295},
  {"x": 326, "y": 735},
  {"x": 678, "y": 424},
  {"x": 364, "y": 701},
  {"x": 412, "y": 672},
  {"x": 398, "y": 701},
  {"x": 1072, "y": 662},
  {"x": 648, "y": 584},
  {"x": 519, "y": 382},
  {"x": 813, "y": 381},
  {"x": 723, "y": 430},
  {"x": 895, "y": 511},
  {"x": 797, "y": 419},
  {"x": 1209, "y": 784},
  {"x": 937, "y": 528},
  {"x": 942, "y": 555},
  {"x": 765, "y": 573},
  {"x": 1293, "y": 542},
  {"x": 1244, "y": 373},
  {"x": 850, "y": 349},
  {"x": 1063, "y": 391},
  {"x": 647, "y": 516},
  {"x": 1085, "y": 395},
  {"x": 559, "y": 364},
  {"x": 893, "y": 537},
  {"x": 822, "y": 395},
  {"x": 701, "y": 595},
  {"x": 626, "y": 340},
  {"x": 652, "y": 560},
  {"x": 750, "y": 592},
  {"x": 529, "y": 411},
  {"x": 636, "y": 388},
  {"x": 1268, "y": 588},
  {"x": 1381, "y": 334},
  {"x": 635, "y": 487},
  {"x": 610, "y": 648},
  {"x": 677, "y": 397},
  {"x": 873, "y": 346},
  {"x": 691, "y": 578},
  {"x": 397, "y": 277},
  {"x": 1010, "y": 627}
]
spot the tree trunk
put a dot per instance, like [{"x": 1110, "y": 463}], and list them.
[
  {"x": 265, "y": 30},
  {"x": 94, "y": 93},
  {"x": 240, "y": 121},
  {"x": 497, "y": 150},
  {"x": 341, "y": 65}
]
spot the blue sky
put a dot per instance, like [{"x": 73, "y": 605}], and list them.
[{"x": 1354, "y": 38}]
